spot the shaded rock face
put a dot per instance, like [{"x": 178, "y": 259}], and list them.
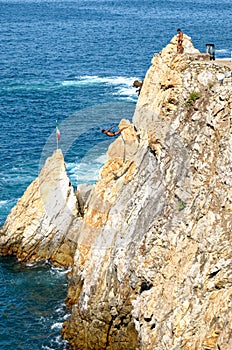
[
  {"x": 44, "y": 223},
  {"x": 152, "y": 267}
]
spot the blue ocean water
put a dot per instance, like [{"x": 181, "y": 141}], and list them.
[
  {"x": 74, "y": 61},
  {"x": 31, "y": 312}
]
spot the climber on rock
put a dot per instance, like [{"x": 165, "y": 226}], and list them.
[{"x": 110, "y": 133}]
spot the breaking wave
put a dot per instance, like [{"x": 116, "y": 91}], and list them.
[{"x": 121, "y": 86}]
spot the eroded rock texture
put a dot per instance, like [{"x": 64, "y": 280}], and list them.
[
  {"x": 152, "y": 238},
  {"x": 44, "y": 223},
  {"x": 153, "y": 264}
]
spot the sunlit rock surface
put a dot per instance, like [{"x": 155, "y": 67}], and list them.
[
  {"x": 152, "y": 238},
  {"x": 153, "y": 264},
  {"x": 44, "y": 223}
]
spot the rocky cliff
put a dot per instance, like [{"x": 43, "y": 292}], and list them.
[
  {"x": 152, "y": 263},
  {"x": 44, "y": 223},
  {"x": 152, "y": 268}
]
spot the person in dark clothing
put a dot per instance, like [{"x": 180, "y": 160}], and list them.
[
  {"x": 138, "y": 85},
  {"x": 110, "y": 133}
]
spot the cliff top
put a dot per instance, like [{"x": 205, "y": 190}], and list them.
[{"x": 151, "y": 250}]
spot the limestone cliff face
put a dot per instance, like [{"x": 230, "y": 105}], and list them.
[
  {"x": 153, "y": 265},
  {"x": 44, "y": 223},
  {"x": 151, "y": 249}
]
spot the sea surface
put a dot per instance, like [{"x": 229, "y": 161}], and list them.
[{"x": 75, "y": 62}]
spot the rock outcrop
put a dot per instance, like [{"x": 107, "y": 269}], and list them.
[
  {"x": 152, "y": 268},
  {"x": 152, "y": 240},
  {"x": 44, "y": 223}
]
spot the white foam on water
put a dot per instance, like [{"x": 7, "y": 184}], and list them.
[
  {"x": 59, "y": 341},
  {"x": 129, "y": 98},
  {"x": 115, "y": 80},
  {"x": 85, "y": 172},
  {"x": 57, "y": 325},
  {"x": 71, "y": 167},
  {"x": 66, "y": 316},
  {"x": 3, "y": 203},
  {"x": 59, "y": 270},
  {"x": 70, "y": 83},
  {"x": 31, "y": 264},
  {"x": 222, "y": 51},
  {"x": 127, "y": 92},
  {"x": 60, "y": 309},
  {"x": 123, "y": 85}
]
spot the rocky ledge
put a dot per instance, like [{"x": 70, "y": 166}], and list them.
[{"x": 152, "y": 262}]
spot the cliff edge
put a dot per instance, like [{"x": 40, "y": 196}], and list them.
[
  {"x": 153, "y": 264},
  {"x": 151, "y": 249}
]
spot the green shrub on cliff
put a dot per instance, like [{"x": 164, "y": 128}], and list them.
[
  {"x": 193, "y": 97},
  {"x": 181, "y": 205}
]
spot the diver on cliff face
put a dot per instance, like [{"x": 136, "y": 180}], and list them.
[
  {"x": 110, "y": 133},
  {"x": 138, "y": 85}
]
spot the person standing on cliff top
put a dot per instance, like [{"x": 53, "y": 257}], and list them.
[
  {"x": 110, "y": 133},
  {"x": 179, "y": 41}
]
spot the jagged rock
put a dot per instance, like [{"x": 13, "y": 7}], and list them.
[
  {"x": 152, "y": 268},
  {"x": 44, "y": 223}
]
